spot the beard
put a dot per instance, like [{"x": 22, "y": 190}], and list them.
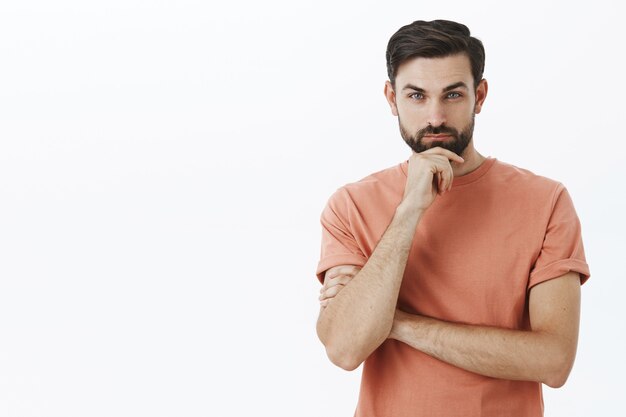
[{"x": 457, "y": 143}]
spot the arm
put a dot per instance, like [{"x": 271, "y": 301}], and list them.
[
  {"x": 360, "y": 317},
  {"x": 544, "y": 354}
]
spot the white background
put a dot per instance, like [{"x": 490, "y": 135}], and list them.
[{"x": 163, "y": 166}]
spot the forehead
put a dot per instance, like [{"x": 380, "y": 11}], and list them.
[{"x": 434, "y": 73}]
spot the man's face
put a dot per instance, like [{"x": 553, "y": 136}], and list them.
[{"x": 436, "y": 103}]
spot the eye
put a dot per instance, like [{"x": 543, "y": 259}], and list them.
[
  {"x": 416, "y": 94},
  {"x": 454, "y": 92}
]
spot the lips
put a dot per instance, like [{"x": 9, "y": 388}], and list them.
[{"x": 437, "y": 136}]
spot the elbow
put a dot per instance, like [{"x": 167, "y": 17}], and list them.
[
  {"x": 556, "y": 381},
  {"x": 344, "y": 360},
  {"x": 559, "y": 374}
]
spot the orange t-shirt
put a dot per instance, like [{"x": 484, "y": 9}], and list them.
[{"x": 477, "y": 251}]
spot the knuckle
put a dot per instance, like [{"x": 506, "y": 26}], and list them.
[
  {"x": 336, "y": 278},
  {"x": 340, "y": 274},
  {"x": 331, "y": 274},
  {"x": 337, "y": 288},
  {"x": 344, "y": 276}
]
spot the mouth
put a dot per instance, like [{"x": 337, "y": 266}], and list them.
[{"x": 438, "y": 136}]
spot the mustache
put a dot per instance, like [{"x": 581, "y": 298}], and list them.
[{"x": 439, "y": 130}]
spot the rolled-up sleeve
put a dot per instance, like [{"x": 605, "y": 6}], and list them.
[
  {"x": 562, "y": 250},
  {"x": 339, "y": 247}
]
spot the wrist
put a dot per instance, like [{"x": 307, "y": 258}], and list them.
[
  {"x": 398, "y": 328},
  {"x": 408, "y": 208},
  {"x": 395, "y": 332}
]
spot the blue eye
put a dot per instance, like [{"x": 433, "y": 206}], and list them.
[
  {"x": 415, "y": 94},
  {"x": 454, "y": 92}
]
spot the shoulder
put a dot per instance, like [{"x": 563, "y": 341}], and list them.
[
  {"x": 522, "y": 180},
  {"x": 383, "y": 184}
]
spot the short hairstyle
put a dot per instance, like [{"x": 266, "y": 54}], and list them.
[{"x": 434, "y": 39}]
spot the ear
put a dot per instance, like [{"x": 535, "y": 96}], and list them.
[
  {"x": 390, "y": 95},
  {"x": 481, "y": 95}
]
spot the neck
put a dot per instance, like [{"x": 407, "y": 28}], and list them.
[{"x": 472, "y": 161}]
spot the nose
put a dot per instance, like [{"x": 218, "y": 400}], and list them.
[{"x": 436, "y": 114}]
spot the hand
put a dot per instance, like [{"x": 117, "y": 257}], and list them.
[
  {"x": 335, "y": 280},
  {"x": 430, "y": 174}
]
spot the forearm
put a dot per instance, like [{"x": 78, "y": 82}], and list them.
[
  {"x": 489, "y": 351},
  {"x": 360, "y": 317}
]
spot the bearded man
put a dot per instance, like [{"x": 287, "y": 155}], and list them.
[{"x": 453, "y": 277}]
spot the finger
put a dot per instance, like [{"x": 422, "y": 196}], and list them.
[
  {"x": 440, "y": 183},
  {"x": 348, "y": 270},
  {"x": 444, "y": 170},
  {"x": 331, "y": 292},
  {"x": 448, "y": 154},
  {"x": 444, "y": 152},
  {"x": 342, "y": 279},
  {"x": 435, "y": 183},
  {"x": 444, "y": 181},
  {"x": 447, "y": 174},
  {"x": 440, "y": 173}
]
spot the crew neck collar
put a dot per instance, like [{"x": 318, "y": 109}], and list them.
[{"x": 464, "y": 179}]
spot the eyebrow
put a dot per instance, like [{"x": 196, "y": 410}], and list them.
[{"x": 448, "y": 88}]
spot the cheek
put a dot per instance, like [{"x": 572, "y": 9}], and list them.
[
  {"x": 411, "y": 115},
  {"x": 462, "y": 115}
]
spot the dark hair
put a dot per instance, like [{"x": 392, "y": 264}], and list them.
[{"x": 438, "y": 38}]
